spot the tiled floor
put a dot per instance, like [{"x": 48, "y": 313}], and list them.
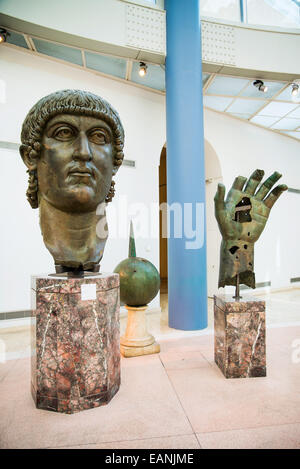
[{"x": 175, "y": 399}]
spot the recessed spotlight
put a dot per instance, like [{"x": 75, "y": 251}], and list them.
[
  {"x": 260, "y": 85},
  {"x": 3, "y": 35},
  {"x": 295, "y": 89},
  {"x": 143, "y": 69}
]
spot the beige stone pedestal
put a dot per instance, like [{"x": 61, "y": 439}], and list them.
[{"x": 137, "y": 340}]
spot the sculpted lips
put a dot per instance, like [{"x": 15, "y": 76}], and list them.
[{"x": 81, "y": 172}]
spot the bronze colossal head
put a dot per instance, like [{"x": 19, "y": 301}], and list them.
[{"x": 72, "y": 145}]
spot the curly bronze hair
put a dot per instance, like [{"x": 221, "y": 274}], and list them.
[{"x": 66, "y": 102}]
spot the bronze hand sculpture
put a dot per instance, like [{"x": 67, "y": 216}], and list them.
[
  {"x": 241, "y": 219},
  {"x": 72, "y": 144}
]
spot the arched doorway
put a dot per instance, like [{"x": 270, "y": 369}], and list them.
[
  {"x": 213, "y": 175},
  {"x": 163, "y": 242}
]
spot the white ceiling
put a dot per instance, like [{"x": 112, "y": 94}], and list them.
[{"x": 276, "y": 110}]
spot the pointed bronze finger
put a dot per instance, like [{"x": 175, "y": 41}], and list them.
[
  {"x": 239, "y": 183},
  {"x": 219, "y": 197},
  {"x": 274, "y": 195},
  {"x": 267, "y": 185},
  {"x": 254, "y": 181}
]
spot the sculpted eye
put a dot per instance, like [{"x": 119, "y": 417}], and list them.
[
  {"x": 99, "y": 136},
  {"x": 63, "y": 133}
]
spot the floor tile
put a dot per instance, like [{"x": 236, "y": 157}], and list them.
[
  {"x": 7, "y": 368},
  {"x": 145, "y": 407},
  {"x": 214, "y": 403},
  {"x": 178, "y": 359},
  {"x": 186, "y": 344},
  {"x": 277, "y": 437},
  {"x": 171, "y": 442},
  {"x": 167, "y": 395}
]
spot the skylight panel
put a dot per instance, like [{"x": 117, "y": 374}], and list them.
[
  {"x": 248, "y": 106},
  {"x": 227, "y": 86},
  {"x": 216, "y": 102},
  {"x": 276, "y": 109}
]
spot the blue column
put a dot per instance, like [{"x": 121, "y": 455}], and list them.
[
  {"x": 242, "y": 11},
  {"x": 187, "y": 287}
]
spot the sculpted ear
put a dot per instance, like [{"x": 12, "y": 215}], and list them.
[{"x": 29, "y": 157}]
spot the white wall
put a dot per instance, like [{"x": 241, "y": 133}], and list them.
[
  {"x": 241, "y": 148},
  {"x": 27, "y": 79}
]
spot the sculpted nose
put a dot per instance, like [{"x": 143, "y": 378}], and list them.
[{"x": 82, "y": 150}]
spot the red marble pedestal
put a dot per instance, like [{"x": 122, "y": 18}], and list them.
[
  {"x": 240, "y": 347},
  {"x": 75, "y": 342}
]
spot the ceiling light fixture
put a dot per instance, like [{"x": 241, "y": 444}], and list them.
[
  {"x": 295, "y": 89},
  {"x": 143, "y": 69},
  {"x": 260, "y": 85},
  {"x": 3, "y": 35}
]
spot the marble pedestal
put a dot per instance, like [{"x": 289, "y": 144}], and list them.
[
  {"x": 240, "y": 348},
  {"x": 75, "y": 341},
  {"x": 137, "y": 340}
]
